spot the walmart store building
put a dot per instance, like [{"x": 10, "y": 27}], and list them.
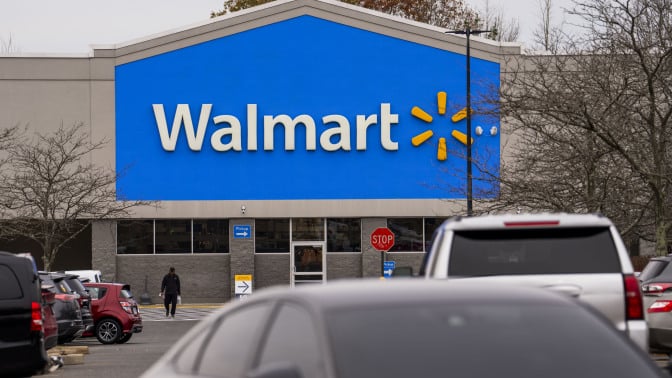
[{"x": 275, "y": 141}]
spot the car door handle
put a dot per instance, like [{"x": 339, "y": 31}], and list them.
[{"x": 568, "y": 289}]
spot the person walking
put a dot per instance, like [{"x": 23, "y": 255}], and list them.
[{"x": 170, "y": 290}]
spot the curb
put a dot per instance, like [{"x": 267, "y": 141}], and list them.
[
  {"x": 70, "y": 355},
  {"x": 73, "y": 359}
]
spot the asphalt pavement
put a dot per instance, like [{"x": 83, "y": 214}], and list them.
[{"x": 142, "y": 350}]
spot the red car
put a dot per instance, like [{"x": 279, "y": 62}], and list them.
[
  {"x": 49, "y": 321},
  {"x": 115, "y": 312}
]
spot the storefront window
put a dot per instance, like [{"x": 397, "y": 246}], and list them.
[
  {"x": 211, "y": 236},
  {"x": 271, "y": 235},
  {"x": 344, "y": 235},
  {"x": 431, "y": 224},
  {"x": 408, "y": 234},
  {"x": 135, "y": 237},
  {"x": 307, "y": 229},
  {"x": 173, "y": 236}
]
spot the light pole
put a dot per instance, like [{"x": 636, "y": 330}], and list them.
[{"x": 468, "y": 32}]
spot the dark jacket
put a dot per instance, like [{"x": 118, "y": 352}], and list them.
[{"x": 171, "y": 284}]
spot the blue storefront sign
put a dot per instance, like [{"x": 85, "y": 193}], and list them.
[{"x": 304, "y": 108}]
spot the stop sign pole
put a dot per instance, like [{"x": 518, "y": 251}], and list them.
[{"x": 382, "y": 239}]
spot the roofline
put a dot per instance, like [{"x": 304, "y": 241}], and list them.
[{"x": 279, "y": 10}]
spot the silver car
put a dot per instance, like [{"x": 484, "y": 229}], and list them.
[
  {"x": 656, "y": 281},
  {"x": 404, "y": 328},
  {"x": 581, "y": 255}
]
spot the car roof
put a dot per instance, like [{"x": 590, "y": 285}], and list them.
[
  {"x": 537, "y": 220},
  {"x": 53, "y": 275},
  {"x": 363, "y": 292},
  {"x": 105, "y": 284}
]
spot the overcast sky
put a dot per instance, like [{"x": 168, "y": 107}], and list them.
[{"x": 72, "y": 26}]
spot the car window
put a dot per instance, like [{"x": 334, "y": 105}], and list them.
[
  {"x": 506, "y": 339},
  {"x": 96, "y": 292},
  {"x": 76, "y": 285},
  {"x": 10, "y": 287},
  {"x": 533, "y": 251},
  {"x": 652, "y": 269},
  {"x": 230, "y": 347},
  {"x": 63, "y": 287},
  {"x": 126, "y": 294},
  {"x": 292, "y": 337}
]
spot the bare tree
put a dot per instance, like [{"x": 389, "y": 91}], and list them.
[
  {"x": 452, "y": 14},
  {"x": 8, "y": 46},
  {"x": 597, "y": 122},
  {"x": 548, "y": 36},
  {"x": 501, "y": 29},
  {"x": 51, "y": 191}
]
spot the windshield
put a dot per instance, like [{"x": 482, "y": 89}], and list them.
[
  {"x": 558, "y": 250},
  {"x": 76, "y": 285},
  {"x": 480, "y": 340},
  {"x": 652, "y": 269}
]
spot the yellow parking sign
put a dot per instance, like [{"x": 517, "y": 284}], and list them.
[{"x": 243, "y": 284}]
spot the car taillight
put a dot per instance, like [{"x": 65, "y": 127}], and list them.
[
  {"x": 127, "y": 307},
  {"x": 660, "y": 306},
  {"x": 531, "y": 223},
  {"x": 65, "y": 297},
  {"x": 634, "y": 306},
  {"x": 36, "y": 317},
  {"x": 656, "y": 288}
]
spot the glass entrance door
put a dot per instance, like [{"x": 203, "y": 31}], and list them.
[{"x": 308, "y": 263}]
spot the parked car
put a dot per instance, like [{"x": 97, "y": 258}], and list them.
[
  {"x": 659, "y": 271},
  {"x": 405, "y": 328},
  {"x": 22, "y": 343},
  {"x": 66, "y": 307},
  {"x": 87, "y": 275},
  {"x": 115, "y": 312},
  {"x": 50, "y": 324},
  {"x": 656, "y": 280},
  {"x": 581, "y": 255},
  {"x": 84, "y": 299}
]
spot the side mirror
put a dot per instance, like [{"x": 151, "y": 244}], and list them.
[
  {"x": 403, "y": 271},
  {"x": 276, "y": 370}
]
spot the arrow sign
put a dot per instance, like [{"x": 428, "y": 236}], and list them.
[
  {"x": 244, "y": 287},
  {"x": 388, "y": 268},
  {"x": 242, "y": 231},
  {"x": 243, "y": 284}
]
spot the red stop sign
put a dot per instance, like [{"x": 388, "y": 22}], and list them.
[{"x": 382, "y": 239}]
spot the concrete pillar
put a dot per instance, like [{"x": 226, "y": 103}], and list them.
[
  {"x": 241, "y": 250},
  {"x": 104, "y": 248}
]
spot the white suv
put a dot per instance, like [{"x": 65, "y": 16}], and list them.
[{"x": 578, "y": 254}]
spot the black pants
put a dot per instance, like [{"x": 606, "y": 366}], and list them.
[{"x": 169, "y": 299}]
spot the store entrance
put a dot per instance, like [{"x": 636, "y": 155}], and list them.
[{"x": 308, "y": 263}]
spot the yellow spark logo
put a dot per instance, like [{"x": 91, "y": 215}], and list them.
[{"x": 417, "y": 112}]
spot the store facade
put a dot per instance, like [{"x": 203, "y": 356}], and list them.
[{"x": 273, "y": 141}]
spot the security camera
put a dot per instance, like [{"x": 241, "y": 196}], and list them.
[{"x": 242, "y": 209}]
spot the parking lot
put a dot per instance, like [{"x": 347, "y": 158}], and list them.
[{"x": 134, "y": 357}]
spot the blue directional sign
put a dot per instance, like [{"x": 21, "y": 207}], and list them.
[
  {"x": 388, "y": 268},
  {"x": 242, "y": 231}
]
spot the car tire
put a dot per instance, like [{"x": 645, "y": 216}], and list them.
[
  {"x": 108, "y": 331},
  {"x": 124, "y": 338}
]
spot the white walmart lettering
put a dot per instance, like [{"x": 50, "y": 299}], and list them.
[{"x": 332, "y": 139}]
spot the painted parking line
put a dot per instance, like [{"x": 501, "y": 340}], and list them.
[{"x": 153, "y": 314}]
